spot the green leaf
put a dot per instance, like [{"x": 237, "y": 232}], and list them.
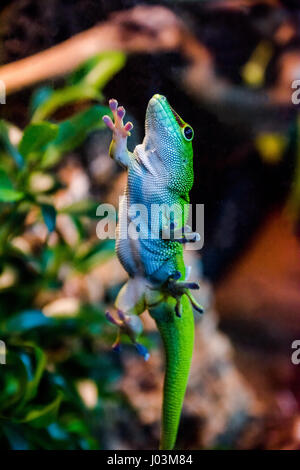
[
  {"x": 39, "y": 97},
  {"x": 25, "y": 321},
  {"x": 41, "y": 416},
  {"x": 7, "y": 192},
  {"x": 57, "y": 432},
  {"x": 26, "y": 364},
  {"x": 85, "y": 208},
  {"x": 8, "y": 146},
  {"x": 15, "y": 437},
  {"x": 5, "y": 182},
  {"x": 99, "y": 69},
  {"x": 36, "y": 137},
  {"x": 38, "y": 362},
  {"x": 13, "y": 380},
  {"x": 73, "y": 132},
  {"x": 10, "y": 195},
  {"x": 49, "y": 216},
  {"x": 85, "y": 83},
  {"x": 95, "y": 255},
  {"x": 59, "y": 98}
]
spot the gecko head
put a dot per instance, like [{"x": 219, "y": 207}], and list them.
[
  {"x": 166, "y": 129},
  {"x": 169, "y": 138}
]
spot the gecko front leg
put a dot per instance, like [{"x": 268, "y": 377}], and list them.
[
  {"x": 118, "y": 147},
  {"x": 182, "y": 235}
]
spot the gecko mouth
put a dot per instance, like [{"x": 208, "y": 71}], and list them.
[{"x": 177, "y": 117}]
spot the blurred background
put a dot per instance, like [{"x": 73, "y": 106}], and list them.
[{"x": 227, "y": 67}]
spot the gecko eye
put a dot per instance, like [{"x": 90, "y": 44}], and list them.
[{"x": 188, "y": 133}]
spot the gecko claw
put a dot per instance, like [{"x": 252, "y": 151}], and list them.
[
  {"x": 122, "y": 316},
  {"x": 195, "y": 304},
  {"x": 191, "y": 285},
  {"x": 111, "y": 319},
  {"x": 198, "y": 307},
  {"x": 178, "y": 309},
  {"x": 121, "y": 112},
  {"x": 116, "y": 347},
  {"x": 128, "y": 126},
  {"x": 142, "y": 350},
  {"x": 113, "y": 104}
]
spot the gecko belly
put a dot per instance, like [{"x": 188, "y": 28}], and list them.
[{"x": 149, "y": 258}]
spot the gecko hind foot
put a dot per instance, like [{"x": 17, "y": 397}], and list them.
[
  {"x": 178, "y": 288},
  {"x": 131, "y": 326}
]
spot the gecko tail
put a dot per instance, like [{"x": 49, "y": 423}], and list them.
[{"x": 178, "y": 339}]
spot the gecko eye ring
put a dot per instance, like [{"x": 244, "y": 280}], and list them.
[{"x": 188, "y": 133}]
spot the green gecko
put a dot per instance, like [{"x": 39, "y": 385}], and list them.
[{"x": 160, "y": 174}]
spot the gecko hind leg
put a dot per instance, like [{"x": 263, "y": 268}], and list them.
[
  {"x": 178, "y": 288},
  {"x": 131, "y": 326}
]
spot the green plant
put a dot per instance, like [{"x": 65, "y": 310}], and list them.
[{"x": 48, "y": 356}]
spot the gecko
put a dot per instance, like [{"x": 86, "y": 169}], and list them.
[{"x": 160, "y": 176}]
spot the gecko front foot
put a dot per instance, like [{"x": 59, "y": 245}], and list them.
[
  {"x": 120, "y": 131},
  {"x": 182, "y": 235},
  {"x": 118, "y": 147},
  {"x": 178, "y": 288},
  {"x": 130, "y": 325}
]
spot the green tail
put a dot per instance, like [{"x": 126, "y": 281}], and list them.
[{"x": 178, "y": 338}]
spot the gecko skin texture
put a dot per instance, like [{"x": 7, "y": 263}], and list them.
[{"x": 160, "y": 172}]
